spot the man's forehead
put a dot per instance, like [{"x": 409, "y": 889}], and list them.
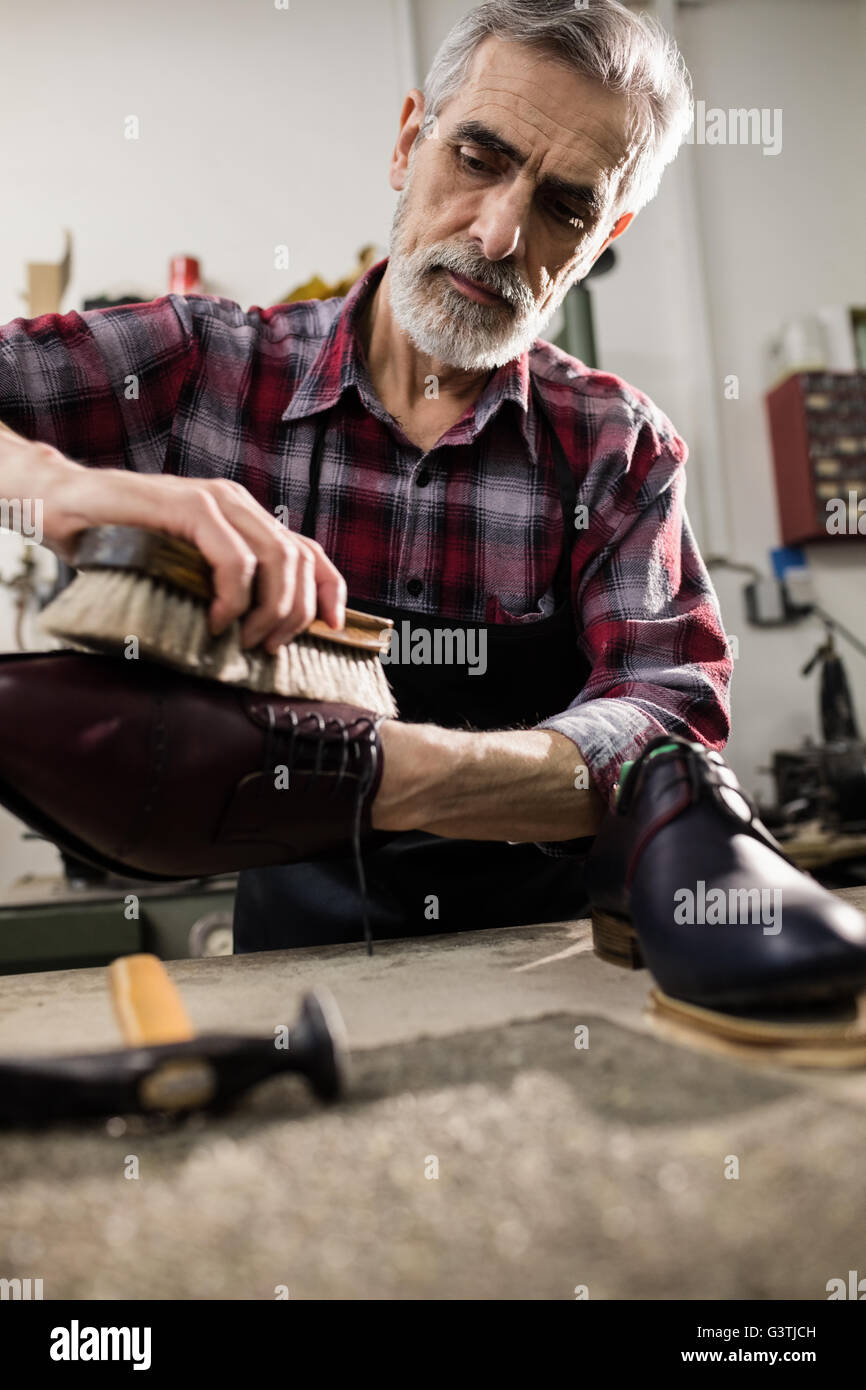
[{"x": 572, "y": 123}]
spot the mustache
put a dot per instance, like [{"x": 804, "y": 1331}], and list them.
[{"x": 501, "y": 280}]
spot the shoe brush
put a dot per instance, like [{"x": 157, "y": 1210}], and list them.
[{"x": 145, "y": 592}]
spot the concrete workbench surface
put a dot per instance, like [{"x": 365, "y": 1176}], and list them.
[{"x": 558, "y": 1166}]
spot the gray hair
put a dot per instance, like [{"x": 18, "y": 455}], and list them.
[{"x": 626, "y": 52}]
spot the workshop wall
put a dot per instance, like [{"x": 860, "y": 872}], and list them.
[
  {"x": 782, "y": 235},
  {"x": 259, "y": 127}
]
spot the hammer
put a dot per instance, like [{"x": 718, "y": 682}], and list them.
[{"x": 165, "y": 1067}]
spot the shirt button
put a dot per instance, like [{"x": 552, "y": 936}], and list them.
[
  {"x": 423, "y": 478},
  {"x": 414, "y": 587}
]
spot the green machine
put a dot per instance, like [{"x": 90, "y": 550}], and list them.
[
  {"x": 75, "y": 919},
  {"x": 577, "y": 335}
]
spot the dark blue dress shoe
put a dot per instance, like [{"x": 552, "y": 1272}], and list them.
[{"x": 683, "y": 877}]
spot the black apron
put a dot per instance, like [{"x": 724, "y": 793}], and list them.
[{"x": 419, "y": 883}]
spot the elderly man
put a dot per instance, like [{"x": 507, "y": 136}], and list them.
[{"x": 439, "y": 464}]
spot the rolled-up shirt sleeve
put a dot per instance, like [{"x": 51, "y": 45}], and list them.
[{"x": 648, "y": 617}]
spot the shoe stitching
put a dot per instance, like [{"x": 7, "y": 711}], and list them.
[
  {"x": 702, "y": 774},
  {"x": 275, "y": 736}
]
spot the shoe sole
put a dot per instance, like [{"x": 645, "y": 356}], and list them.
[{"x": 614, "y": 939}]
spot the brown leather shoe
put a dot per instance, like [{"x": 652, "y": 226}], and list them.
[{"x": 152, "y": 774}]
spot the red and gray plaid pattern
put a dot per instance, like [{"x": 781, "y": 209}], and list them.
[{"x": 195, "y": 386}]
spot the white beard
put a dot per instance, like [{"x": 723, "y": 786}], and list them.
[{"x": 449, "y": 326}]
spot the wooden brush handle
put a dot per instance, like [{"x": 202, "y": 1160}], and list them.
[
  {"x": 153, "y": 553},
  {"x": 178, "y": 563}
]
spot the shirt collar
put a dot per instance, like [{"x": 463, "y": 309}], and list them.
[{"x": 340, "y": 363}]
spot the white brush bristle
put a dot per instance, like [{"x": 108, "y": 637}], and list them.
[{"x": 104, "y": 610}]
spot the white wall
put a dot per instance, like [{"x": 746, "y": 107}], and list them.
[{"x": 258, "y": 127}]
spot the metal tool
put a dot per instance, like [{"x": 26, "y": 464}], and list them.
[{"x": 166, "y": 1067}]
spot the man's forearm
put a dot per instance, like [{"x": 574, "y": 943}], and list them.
[
  {"x": 29, "y": 469},
  {"x": 522, "y": 785}
]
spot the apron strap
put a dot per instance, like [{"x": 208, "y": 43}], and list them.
[
  {"x": 567, "y": 497},
  {"x": 308, "y": 524}
]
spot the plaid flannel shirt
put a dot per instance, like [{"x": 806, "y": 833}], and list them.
[{"x": 194, "y": 385}]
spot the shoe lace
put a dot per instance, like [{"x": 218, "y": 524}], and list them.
[
  {"x": 632, "y": 784},
  {"x": 281, "y": 745},
  {"x": 704, "y": 774}
]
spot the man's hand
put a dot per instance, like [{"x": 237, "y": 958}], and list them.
[
  {"x": 285, "y": 579},
  {"x": 520, "y": 785}
]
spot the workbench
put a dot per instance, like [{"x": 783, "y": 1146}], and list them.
[{"x": 480, "y": 1154}]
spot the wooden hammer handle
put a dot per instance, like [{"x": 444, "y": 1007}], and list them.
[{"x": 148, "y": 1006}]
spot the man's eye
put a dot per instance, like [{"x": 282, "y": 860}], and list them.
[
  {"x": 574, "y": 219},
  {"x": 475, "y": 166}
]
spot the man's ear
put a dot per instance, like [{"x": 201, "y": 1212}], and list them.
[
  {"x": 411, "y": 117},
  {"x": 618, "y": 229}
]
